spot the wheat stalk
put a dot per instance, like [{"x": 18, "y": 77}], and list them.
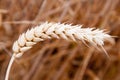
[{"x": 55, "y": 30}]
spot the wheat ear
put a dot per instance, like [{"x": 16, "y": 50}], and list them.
[{"x": 55, "y": 30}]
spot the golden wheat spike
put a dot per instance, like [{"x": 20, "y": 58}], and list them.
[{"x": 55, "y": 30}]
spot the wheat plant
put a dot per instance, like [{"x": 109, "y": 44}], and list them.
[{"x": 56, "y": 30}]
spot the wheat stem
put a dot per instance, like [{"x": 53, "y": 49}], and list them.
[{"x": 9, "y": 66}]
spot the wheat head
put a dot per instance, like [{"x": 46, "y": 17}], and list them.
[{"x": 56, "y": 30}]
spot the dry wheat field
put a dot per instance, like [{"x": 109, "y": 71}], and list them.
[{"x": 71, "y": 57}]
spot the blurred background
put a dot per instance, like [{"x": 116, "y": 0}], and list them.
[{"x": 60, "y": 59}]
